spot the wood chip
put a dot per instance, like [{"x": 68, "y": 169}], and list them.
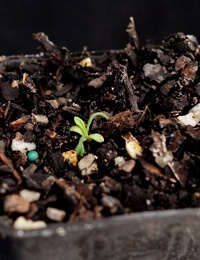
[
  {"x": 97, "y": 83},
  {"x": 7, "y": 162},
  {"x": 19, "y": 123},
  {"x": 133, "y": 147},
  {"x": 128, "y": 166}
]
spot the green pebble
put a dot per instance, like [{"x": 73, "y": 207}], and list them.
[{"x": 32, "y": 156}]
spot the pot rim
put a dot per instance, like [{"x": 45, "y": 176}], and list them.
[{"x": 64, "y": 228}]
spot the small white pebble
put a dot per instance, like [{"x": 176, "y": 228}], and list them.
[
  {"x": 148, "y": 202},
  {"x": 40, "y": 119},
  {"x": 15, "y": 84},
  {"x": 55, "y": 214},
  {"x": 119, "y": 161},
  {"x": 27, "y": 224},
  {"x": 75, "y": 105},
  {"x": 109, "y": 201},
  {"x": 87, "y": 165},
  {"x": 23, "y": 147},
  {"x": 30, "y": 195}
]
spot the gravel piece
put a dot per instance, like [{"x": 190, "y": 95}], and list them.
[
  {"x": 30, "y": 195},
  {"x": 55, "y": 214},
  {"x": 87, "y": 165},
  {"x": 15, "y": 203},
  {"x": 28, "y": 224}
]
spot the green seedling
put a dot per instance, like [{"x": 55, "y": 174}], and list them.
[{"x": 83, "y": 129}]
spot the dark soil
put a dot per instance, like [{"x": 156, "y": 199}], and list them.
[{"x": 142, "y": 89}]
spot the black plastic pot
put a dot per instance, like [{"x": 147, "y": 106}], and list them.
[{"x": 170, "y": 234}]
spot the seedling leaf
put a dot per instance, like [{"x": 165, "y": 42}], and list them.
[
  {"x": 97, "y": 137},
  {"x": 76, "y": 129},
  {"x": 93, "y": 116},
  {"x": 81, "y": 124}
]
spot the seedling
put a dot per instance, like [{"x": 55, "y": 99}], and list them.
[{"x": 83, "y": 129}]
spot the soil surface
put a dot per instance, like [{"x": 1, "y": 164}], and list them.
[{"x": 150, "y": 157}]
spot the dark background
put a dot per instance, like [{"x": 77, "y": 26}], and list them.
[{"x": 97, "y": 24}]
